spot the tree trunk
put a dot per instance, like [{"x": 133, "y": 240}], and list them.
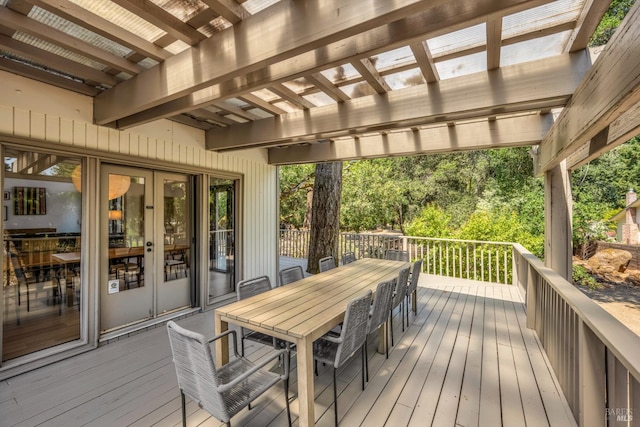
[
  {"x": 308, "y": 210},
  {"x": 325, "y": 214}
]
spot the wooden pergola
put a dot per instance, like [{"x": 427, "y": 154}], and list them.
[{"x": 320, "y": 81}]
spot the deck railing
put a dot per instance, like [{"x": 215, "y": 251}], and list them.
[
  {"x": 467, "y": 259},
  {"x": 595, "y": 357}
]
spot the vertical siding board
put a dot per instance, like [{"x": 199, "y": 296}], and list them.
[
  {"x": 6, "y": 120},
  {"x": 103, "y": 138},
  {"x": 114, "y": 141},
  {"x": 152, "y": 147},
  {"x": 52, "y": 128},
  {"x": 38, "y": 125},
  {"x": 143, "y": 146},
  {"x": 124, "y": 143},
  {"x": 134, "y": 144},
  {"x": 79, "y": 134},
  {"x": 21, "y": 121},
  {"x": 66, "y": 131},
  {"x": 92, "y": 136},
  {"x": 189, "y": 158}
]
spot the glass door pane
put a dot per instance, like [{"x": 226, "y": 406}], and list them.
[
  {"x": 42, "y": 212},
  {"x": 126, "y": 294},
  {"x": 221, "y": 237},
  {"x": 173, "y": 195}
]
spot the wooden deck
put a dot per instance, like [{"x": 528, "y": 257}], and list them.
[{"x": 465, "y": 360}]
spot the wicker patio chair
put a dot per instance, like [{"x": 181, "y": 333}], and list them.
[
  {"x": 379, "y": 313},
  {"x": 225, "y": 391},
  {"x": 337, "y": 351},
  {"x": 290, "y": 275},
  {"x": 326, "y": 263},
  {"x": 412, "y": 286},
  {"x": 348, "y": 257},
  {"x": 398, "y": 298},
  {"x": 397, "y": 255},
  {"x": 248, "y": 288}
]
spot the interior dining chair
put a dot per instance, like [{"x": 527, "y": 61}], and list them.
[
  {"x": 348, "y": 257},
  {"x": 224, "y": 391},
  {"x": 338, "y": 350},
  {"x": 326, "y": 263},
  {"x": 246, "y": 289},
  {"x": 412, "y": 286},
  {"x": 398, "y": 298},
  {"x": 396, "y": 255},
  {"x": 379, "y": 315},
  {"x": 290, "y": 275},
  {"x": 27, "y": 281}
]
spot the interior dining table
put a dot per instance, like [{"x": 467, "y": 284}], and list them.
[{"x": 304, "y": 311}]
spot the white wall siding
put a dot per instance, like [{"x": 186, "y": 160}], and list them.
[{"x": 34, "y": 110}]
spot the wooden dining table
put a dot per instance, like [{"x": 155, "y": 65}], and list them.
[{"x": 302, "y": 312}]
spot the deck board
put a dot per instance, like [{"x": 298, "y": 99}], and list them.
[{"x": 466, "y": 359}]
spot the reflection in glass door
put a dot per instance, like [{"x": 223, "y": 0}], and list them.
[
  {"x": 173, "y": 273},
  {"x": 41, "y": 291},
  {"x": 221, "y": 237}
]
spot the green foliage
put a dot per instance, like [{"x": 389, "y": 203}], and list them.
[
  {"x": 295, "y": 182},
  {"x": 502, "y": 226},
  {"x": 599, "y": 189},
  {"x": 431, "y": 222},
  {"x": 610, "y": 21},
  {"x": 582, "y": 277}
]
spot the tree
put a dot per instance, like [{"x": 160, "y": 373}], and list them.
[
  {"x": 296, "y": 183},
  {"x": 325, "y": 215}
]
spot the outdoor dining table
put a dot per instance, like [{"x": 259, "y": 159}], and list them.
[{"x": 302, "y": 312}]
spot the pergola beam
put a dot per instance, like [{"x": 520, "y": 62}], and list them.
[
  {"x": 261, "y": 103},
  {"x": 587, "y": 23},
  {"x": 368, "y": 71},
  {"x": 494, "y": 43},
  {"x": 327, "y": 86},
  {"x": 506, "y": 132},
  {"x": 228, "y": 9},
  {"x": 620, "y": 131},
  {"x": 334, "y": 33},
  {"x": 19, "y": 22},
  {"x": 610, "y": 88},
  {"x": 55, "y": 62},
  {"x": 523, "y": 87},
  {"x": 79, "y": 15},
  {"x": 159, "y": 17},
  {"x": 289, "y": 95},
  {"x": 423, "y": 57},
  {"x": 46, "y": 77}
]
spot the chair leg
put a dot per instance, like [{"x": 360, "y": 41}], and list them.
[
  {"x": 286, "y": 398},
  {"x": 402, "y": 314},
  {"x": 391, "y": 326},
  {"x": 366, "y": 361},
  {"x": 406, "y": 304},
  {"x": 335, "y": 396},
  {"x": 363, "y": 351},
  {"x": 386, "y": 344},
  {"x": 184, "y": 410}
]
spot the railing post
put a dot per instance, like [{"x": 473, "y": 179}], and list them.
[
  {"x": 531, "y": 297},
  {"x": 515, "y": 274},
  {"x": 591, "y": 380}
]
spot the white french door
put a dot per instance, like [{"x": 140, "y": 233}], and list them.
[{"x": 146, "y": 219}]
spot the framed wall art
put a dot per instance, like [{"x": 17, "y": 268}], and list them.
[{"x": 29, "y": 201}]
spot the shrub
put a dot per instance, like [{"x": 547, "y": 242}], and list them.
[{"x": 582, "y": 277}]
